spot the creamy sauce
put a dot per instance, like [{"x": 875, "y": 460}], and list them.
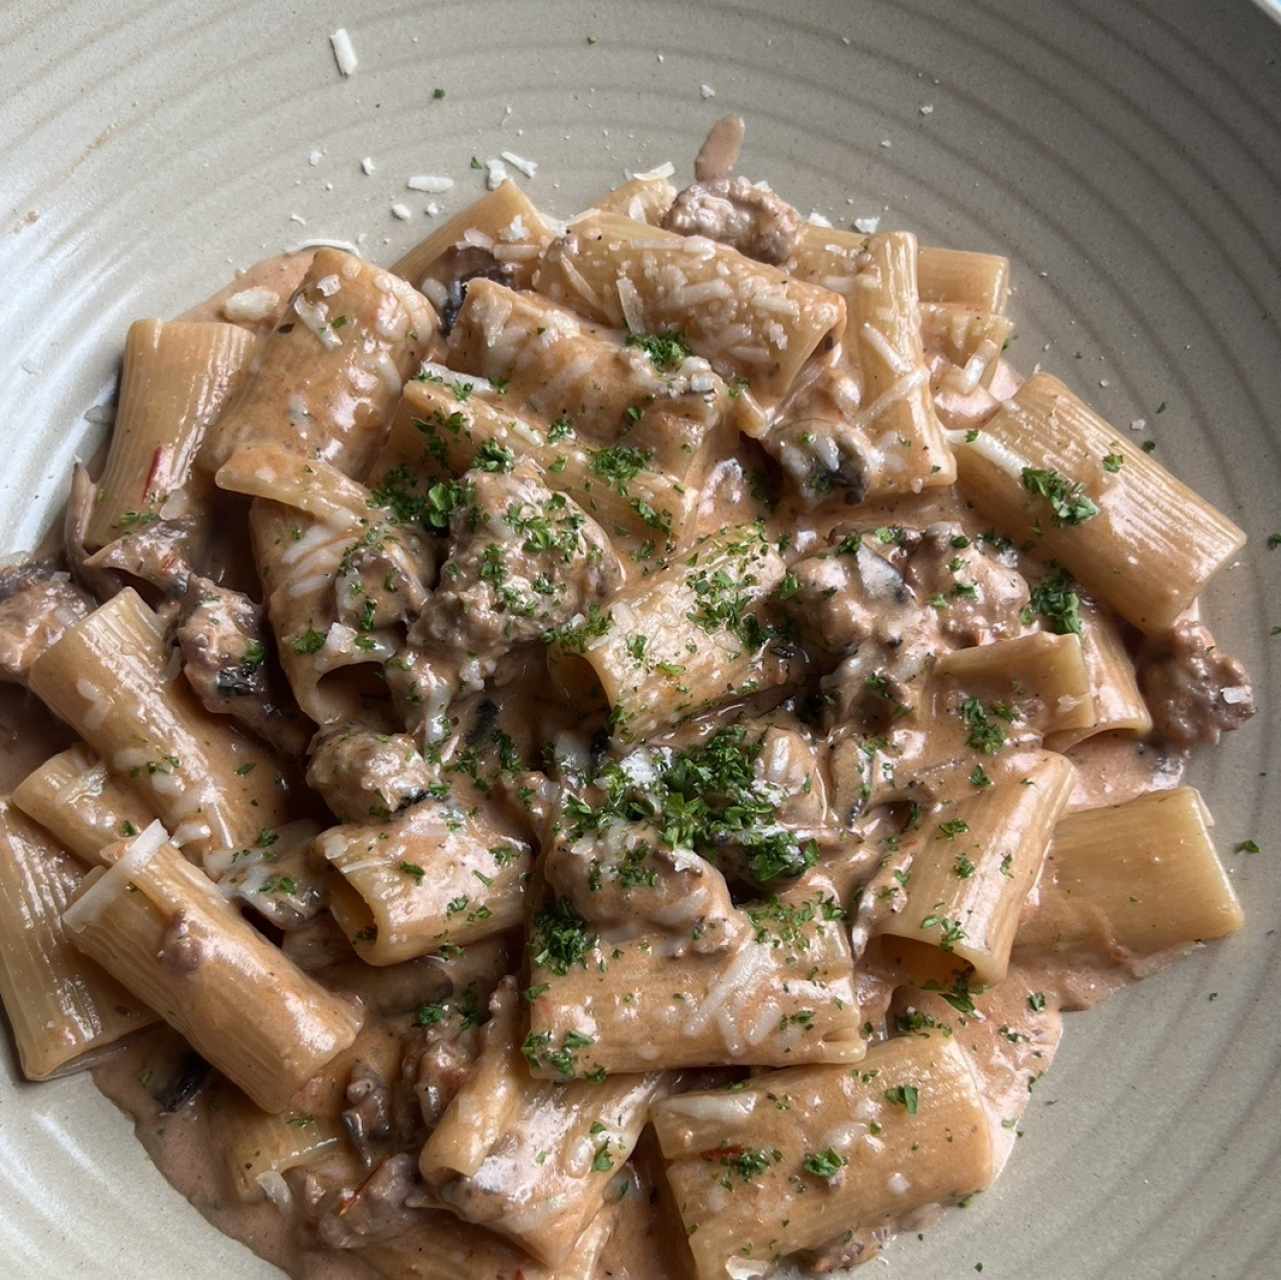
[{"x": 1011, "y": 1042}]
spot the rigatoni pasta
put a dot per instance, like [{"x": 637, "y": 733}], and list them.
[
  {"x": 112, "y": 679},
  {"x": 160, "y": 927},
  {"x": 176, "y": 380},
  {"x": 64, "y": 1010},
  {"x": 74, "y": 797},
  {"x": 366, "y": 329},
  {"x": 795, "y": 1158},
  {"x": 1135, "y": 878},
  {"x": 750, "y": 320},
  {"x": 1051, "y": 472},
  {"x": 738, "y": 715}
]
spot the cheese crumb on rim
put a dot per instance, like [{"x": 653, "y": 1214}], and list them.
[
  {"x": 344, "y": 52},
  {"x": 528, "y": 167},
  {"x": 433, "y": 183}
]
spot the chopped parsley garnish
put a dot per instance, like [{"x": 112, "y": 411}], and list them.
[
  {"x": 619, "y": 465},
  {"x": 956, "y": 827},
  {"x": 1036, "y": 1002},
  {"x": 750, "y": 1163},
  {"x": 413, "y": 870},
  {"x": 824, "y": 1164},
  {"x": 560, "y": 937},
  {"x": 494, "y": 457},
  {"x": 574, "y": 639},
  {"x": 952, "y": 930},
  {"x": 561, "y": 429},
  {"x": 985, "y": 734},
  {"x": 907, "y": 1096},
  {"x": 1112, "y": 462},
  {"x": 309, "y": 641},
  {"x": 1055, "y": 600},
  {"x": 1246, "y": 846},
  {"x": 1067, "y": 499},
  {"x": 667, "y": 351},
  {"x": 137, "y": 519}
]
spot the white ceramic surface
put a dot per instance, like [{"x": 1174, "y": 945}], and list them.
[{"x": 1126, "y": 155}]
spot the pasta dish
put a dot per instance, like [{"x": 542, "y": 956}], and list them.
[{"x": 604, "y": 749}]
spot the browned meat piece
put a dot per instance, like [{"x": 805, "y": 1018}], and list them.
[
  {"x": 180, "y": 949},
  {"x": 977, "y": 598},
  {"x": 855, "y": 600},
  {"x": 749, "y": 218},
  {"x": 440, "y": 1056},
  {"x": 465, "y": 263},
  {"x": 839, "y": 597},
  {"x": 363, "y": 774},
  {"x": 847, "y": 1250},
  {"x": 1194, "y": 691},
  {"x": 719, "y": 153},
  {"x": 522, "y": 561},
  {"x": 155, "y": 552},
  {"x": 38, "y": 603},
  {"x": 381, "y": 580},
  {"x": 224, "y": 653},
  {"x": 367, "y": 1116},
  {"x": 625, "y": 880},
  {"x": 375, "y": 1211}
]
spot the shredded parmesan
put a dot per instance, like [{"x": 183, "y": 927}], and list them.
[
  {"x": 867, "y": 225},
  {"x": 706, "y": 91},
  {"x": 401, "y": 211},
  {"x": 344, "y": 52},
  {"x": 664, "y": 170},
  {"x": 103, "y": 890},
  {"x": 528, "y": 167},
  {"x": 495, "y": 174},
  {"x": 251, "y": 304},
  {"x": 367, "y": 166},
  {"x": 434, "y": 184},
  {"x": 323, "y": 242}
]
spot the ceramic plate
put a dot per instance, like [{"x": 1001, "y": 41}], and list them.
[{"x": 1127, "y": 156}]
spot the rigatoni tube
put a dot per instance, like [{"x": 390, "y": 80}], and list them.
[
  {"x": 1051, "y": 473},
  {"x": 1137, "y": 878},
  {"x": 324, "y": 383},
  {"x": 433, "y": 437},
  {"x": 589, "y": 385},
  {"x": 529, "y": 1159},
  {"x": 503, "y": 224},
  {"x": 969, "y": 869},
  {"x": 959, "y": 276},
  {"x": 790, "y": 1159},
  {"x": 704, "y": 641},
  {"x": 62, "y": 1007},
  {"x": 864, "y": 417},
  {"x": 431, "y": 877},
  {"x": 753, "y": 322},
  {"x": 176, "y": 380},
  {"x": 73, "y": 796},
  {"x": 782, "y": 992},
  {"x": 112, "y": 678},
  {"x": 161, "y": 928}
]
